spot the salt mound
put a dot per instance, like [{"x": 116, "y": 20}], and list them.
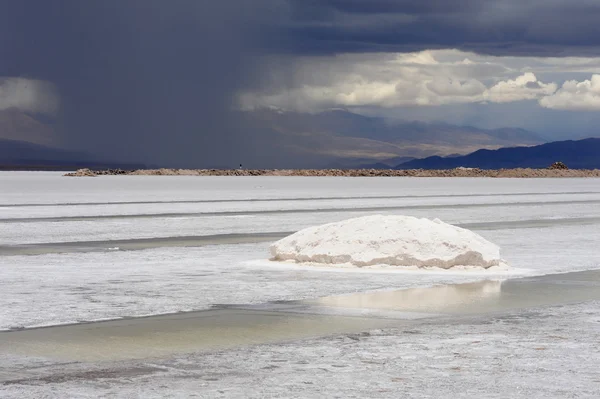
[{"x": 388, "y": 240}]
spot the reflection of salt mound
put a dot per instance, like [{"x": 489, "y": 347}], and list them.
[
  {"x": 420, "y": 299},
  {"x": 388, "y": 240}
]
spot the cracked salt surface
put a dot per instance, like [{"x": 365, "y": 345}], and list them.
[
  {"x": 238, "y": 325},
  {"x": 547, "y": 352}
]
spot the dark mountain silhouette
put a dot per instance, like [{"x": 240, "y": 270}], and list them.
[
  {"x": 22, "y": 155},
  {"x": 576, "y": 154}
]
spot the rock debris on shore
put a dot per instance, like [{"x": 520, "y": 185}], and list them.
[{"x": 457, "y": 172}]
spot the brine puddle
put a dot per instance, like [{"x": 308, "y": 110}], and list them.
[
  {"x": 233, "y": 326},
  {"x": 475, "y": 298}
]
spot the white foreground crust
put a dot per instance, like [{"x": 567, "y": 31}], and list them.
[{"x": 388, "y": 240}]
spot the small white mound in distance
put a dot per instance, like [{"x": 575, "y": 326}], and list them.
[{"x": 388, "y": 240}]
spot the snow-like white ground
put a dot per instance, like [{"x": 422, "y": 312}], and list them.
[
  {"x": 549, "y": 352},
  {"x": 60, "y": 288}
]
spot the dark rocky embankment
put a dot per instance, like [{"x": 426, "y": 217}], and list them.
[{"x": 456, "y": 172}]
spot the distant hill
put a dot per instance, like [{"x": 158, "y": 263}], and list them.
[
  {"x": 18, "y": 125},
  {"x": 21, "y": 155},
  {"x": 26, "y": 144},
  {"x": 578, "y": 154},
  {"x": 340, "y": 137}
]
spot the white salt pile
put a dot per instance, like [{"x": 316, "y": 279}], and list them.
[{"x": 388, "y": 240}]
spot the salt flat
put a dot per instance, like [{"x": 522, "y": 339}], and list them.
[{"x": 203, "y": 241}]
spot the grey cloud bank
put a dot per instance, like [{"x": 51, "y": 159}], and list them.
[{"x": 508, "y": 27}]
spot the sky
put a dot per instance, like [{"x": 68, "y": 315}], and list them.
[{"x": 162, "y": 81}]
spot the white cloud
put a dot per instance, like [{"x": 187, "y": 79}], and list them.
[
  {"x": 384, "y": 80},
  {"x": 420, "y": 58},
  {"x": 426, "y": 78},
  {"x": 358, "y": 92},
  {"x": 576, "y": 96},
  {"x": 28, "y": 95},
  {"x": 453, "y": 87},
  {"x": 524, "y": 87}
]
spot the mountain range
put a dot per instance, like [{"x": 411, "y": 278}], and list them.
[
  {"x": 22, "y": 155},
  {"x": 576, "y": 154},
  {"x": 334, "y": 138},
  {"x": 342, "y": 138}
]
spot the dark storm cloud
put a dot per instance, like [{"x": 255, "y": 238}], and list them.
[
  {"x": 507, "y": 27},
  {"x": 398, "y": 6},
  {"x": 148, "y": 80}
]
